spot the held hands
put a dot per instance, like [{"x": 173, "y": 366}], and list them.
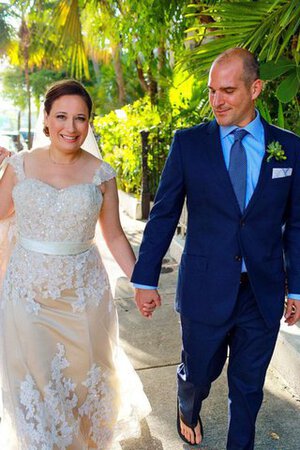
[
  {"x": 3, "y": 154},
  {"x": 292, "y": 312},
  {"x": 147, "y": 300}
]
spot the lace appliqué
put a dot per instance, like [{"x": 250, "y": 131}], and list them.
[
  {"x": 99, "y": 405},
  {"x": 32, "y": 277},
  {"x": 16, "y": 161},
  {"x": 104, "y": 173},
  {"x": 49, "y": 421}
]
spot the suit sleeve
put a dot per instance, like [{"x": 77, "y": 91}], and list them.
[
  {"x": 163, "y": 218},
  {"x": 292, "y": 229}
]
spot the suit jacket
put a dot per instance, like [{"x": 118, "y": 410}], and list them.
[{"x": 266, "y": 235}]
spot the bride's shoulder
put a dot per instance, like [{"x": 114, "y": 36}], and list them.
[
  {"x": 36, "y": 152},
  {"x": 17, "y": 156},
  {"x": 16, "y": 159}
]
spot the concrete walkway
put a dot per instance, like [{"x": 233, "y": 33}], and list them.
[{"x": 154, "y": 349}]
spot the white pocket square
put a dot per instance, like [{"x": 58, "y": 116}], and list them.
[{"x": 282, "y": 172}]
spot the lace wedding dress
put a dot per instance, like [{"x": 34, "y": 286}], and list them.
[{"x": 66, "y": 384}]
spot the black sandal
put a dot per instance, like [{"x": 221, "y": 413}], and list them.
[{"x": 181, "y": 418}]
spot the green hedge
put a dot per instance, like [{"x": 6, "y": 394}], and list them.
[{"x": 120, "y": 139}]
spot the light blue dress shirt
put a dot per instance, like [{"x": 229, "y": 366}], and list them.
[{"x": 254, "y": 144}]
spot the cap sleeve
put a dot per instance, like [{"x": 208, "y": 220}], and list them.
[
  {"x": 16, "y": 161},
  {"x": 104, "y": 173}
]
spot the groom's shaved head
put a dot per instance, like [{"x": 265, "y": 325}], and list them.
[{"x": 250, "y": 63}]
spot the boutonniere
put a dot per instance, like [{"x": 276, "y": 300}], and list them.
[{"x": 276, "y": 151}]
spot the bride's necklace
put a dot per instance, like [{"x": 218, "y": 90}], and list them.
[{"x": 64, "y": 163}]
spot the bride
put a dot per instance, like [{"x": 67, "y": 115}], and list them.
[{"x": 66, "y": 384}]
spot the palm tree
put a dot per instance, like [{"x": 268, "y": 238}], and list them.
[
  {"x": 5, "y": 29},
  {"x": 269, "y": 28}
]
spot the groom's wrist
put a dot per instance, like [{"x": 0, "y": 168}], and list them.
[
  {"x": 294, "y": 296},
  {"x": 143, "y": 286}
]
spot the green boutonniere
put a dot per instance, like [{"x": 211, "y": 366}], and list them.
[{"x": 276, "y": 151}]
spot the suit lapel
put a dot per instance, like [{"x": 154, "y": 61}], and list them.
[{"x": 264, "y": 172}]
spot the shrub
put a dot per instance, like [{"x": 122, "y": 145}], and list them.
[{"x": 120, "y": 138}]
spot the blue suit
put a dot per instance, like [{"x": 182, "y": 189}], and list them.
[{"x": 210, "y": 298}]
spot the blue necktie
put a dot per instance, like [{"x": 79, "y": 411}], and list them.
[{"x": 238, "y": 167}]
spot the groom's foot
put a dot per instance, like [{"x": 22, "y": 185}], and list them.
[{"x": 192, "y": 435}]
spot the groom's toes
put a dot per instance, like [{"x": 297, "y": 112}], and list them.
[
  {"x": 192, "y": 436},
  {"x": 198, "y": 434},
  {"x": 183, "y": 430}
]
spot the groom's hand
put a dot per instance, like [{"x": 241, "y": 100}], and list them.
[
  {"x": 292, "y": 313},
  {"x": 147, "y": 300}
]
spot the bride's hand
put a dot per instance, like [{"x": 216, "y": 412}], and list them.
[{"x": 3, "y": 154}]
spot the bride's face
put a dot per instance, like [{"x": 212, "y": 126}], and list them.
[{"x": 68, "y": 123}]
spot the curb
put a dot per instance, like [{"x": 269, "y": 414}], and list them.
[{"x": 286, "y": 358}]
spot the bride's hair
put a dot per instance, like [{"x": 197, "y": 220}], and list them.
[{"x": 66, "y": 87}]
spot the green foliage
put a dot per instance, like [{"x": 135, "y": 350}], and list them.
[
  {"x": 121, "y": 140},
  {"x": 41, "y": 79},
  {"x": 120, "y": 133},
  {"x": 287, "y": 73},
  {"x": 270, "y": 29},
  {"x": 66, "y": 34},
  {"x": 14, "y": 87},
  {"x": 147, "y": 24},
  {"x": 284, "y": 115},
  {"x": 5, "y": 29},
  {"x": 104, "y": 90}
]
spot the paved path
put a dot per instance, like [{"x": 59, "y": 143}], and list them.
[{"x": 154, "y": 348}]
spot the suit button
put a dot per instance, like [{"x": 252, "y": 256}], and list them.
[
  {"x": 238, "y": 258},
  {"x": 242, "y": 223}
]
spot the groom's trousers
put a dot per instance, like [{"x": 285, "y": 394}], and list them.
[{"x": 204, "y": 352}]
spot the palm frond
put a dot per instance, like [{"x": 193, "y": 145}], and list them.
[
  {"x": 67, "y": 25},
  {"x": 265, "y": 27}
]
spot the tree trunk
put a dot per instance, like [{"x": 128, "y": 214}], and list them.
[
  {"x": 19, "y": 127},
  {"x": 24, "y": 35},
  {"x": 152, "y": 84},
  {"x": 141, "y": 77},
  {"x": 96, "y": 68},
  {"x": 27, "y": 81},
  {"x": 161, "y": 54},
  {"x": 116, "y": 51},
  {"x": 152, "y": 88}
]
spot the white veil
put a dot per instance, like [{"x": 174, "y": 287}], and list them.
[{"x": 41, "y": 140}]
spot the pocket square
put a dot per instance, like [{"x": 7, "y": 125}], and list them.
[{"x": 282, "y": 172}]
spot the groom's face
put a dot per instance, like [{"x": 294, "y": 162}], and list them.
[{"x": 230, "y": 96}]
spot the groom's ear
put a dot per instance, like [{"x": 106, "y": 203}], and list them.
[{"x": 256, "y": 88}]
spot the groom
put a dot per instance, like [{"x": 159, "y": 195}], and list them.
[{"x": 242, "y": 243}]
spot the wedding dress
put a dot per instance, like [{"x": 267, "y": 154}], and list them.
[{"x": 66, "y": 383}]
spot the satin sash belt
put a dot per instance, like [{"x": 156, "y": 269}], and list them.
[{"x": 55, "y": 248}]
